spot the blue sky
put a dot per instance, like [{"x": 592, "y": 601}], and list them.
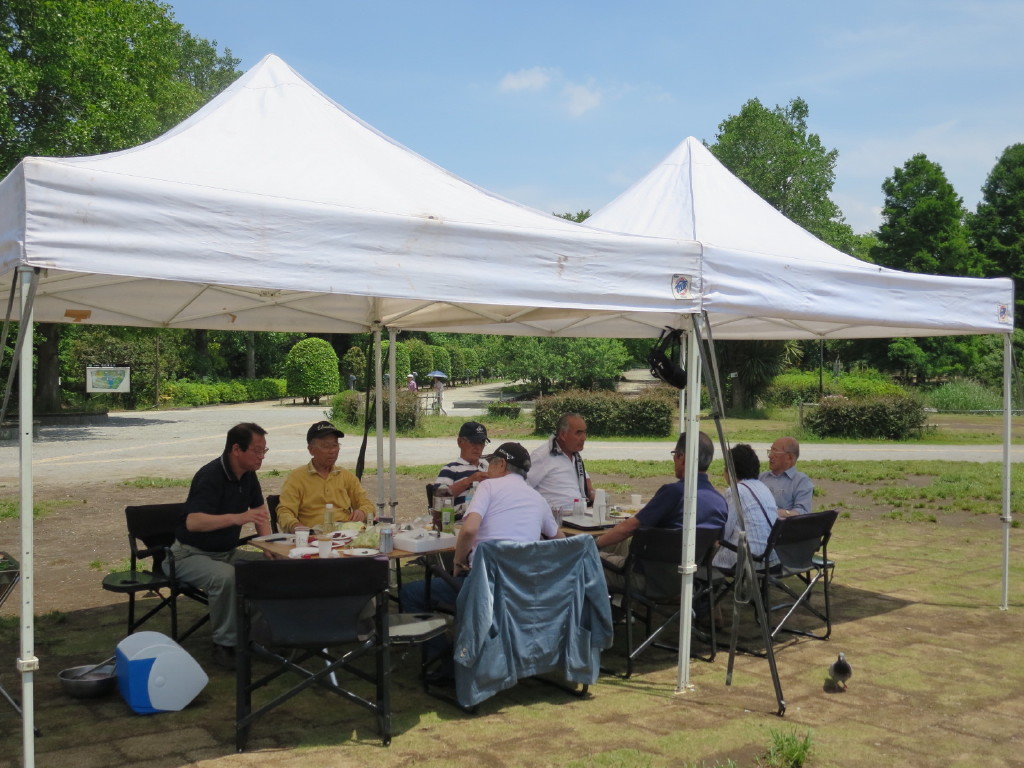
[{"x": 562, "y": 105}]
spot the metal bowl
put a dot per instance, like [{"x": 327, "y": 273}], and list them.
[{"x": 99, "y": 682}]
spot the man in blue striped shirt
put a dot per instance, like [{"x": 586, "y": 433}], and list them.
[{"x": 469, "y": 468}]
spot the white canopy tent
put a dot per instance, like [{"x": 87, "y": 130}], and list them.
[
  {"x": 273, "y": 208},
  {"x": 764, "y": 277}
]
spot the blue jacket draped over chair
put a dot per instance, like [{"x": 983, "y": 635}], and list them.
[{"x": 528, "y": 608}]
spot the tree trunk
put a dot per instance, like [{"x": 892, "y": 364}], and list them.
[
  {"x": 250, "y": 355},
  {"x": 48, "y": 369}
]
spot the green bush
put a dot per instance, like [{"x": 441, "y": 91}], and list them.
[
  {"x": 264, "y": 389},
  {"x": 797, "y": 387},
  {"x": 964, "y": 395},
  {"x": 407, "y": 415},
  {"x": 608, "y": 414},
  {"x": 504, "y": 410},
  {"x": 311, "y": 370},
  {"x": 895, "y": 417},
  {"x": 346, "y": 408}
]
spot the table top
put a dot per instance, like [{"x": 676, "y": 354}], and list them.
[{"x": 279, "y": 545}]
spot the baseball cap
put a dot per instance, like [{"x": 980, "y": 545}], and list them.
[
  {"x": 322, "y": 429},
  {"x": 475, "y": 432},
  {"x": 514, "y": 454}
]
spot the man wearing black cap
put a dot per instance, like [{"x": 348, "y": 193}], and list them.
[
  {"x": 308, "y": 489},
  {"x": 504, "y": 508},
  {"x": 470, "y": 467}
]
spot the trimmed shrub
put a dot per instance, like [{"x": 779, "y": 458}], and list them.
[
  {"x": 795, "y": 387},
  {"x": 346, "y": 408},
  {"x": 895, "y": 417},
  {"x": 311, "y": 370},
  {"x": 607, "y": 413},
  {"x": 407, "y": 415},
  {"x": 264, "y": 389},
  {"x": 504, "y": 410}
]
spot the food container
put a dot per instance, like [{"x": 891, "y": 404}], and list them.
[
  {"x": 96, "y": 682},
  {"x": 419, "y": 540}
]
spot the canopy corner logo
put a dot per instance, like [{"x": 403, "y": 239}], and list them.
[
  {"x": 681, "y": 286},
  {"x": 1004, "y": 314}
]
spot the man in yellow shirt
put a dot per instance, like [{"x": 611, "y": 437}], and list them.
[{"x": 308, "y": 489}]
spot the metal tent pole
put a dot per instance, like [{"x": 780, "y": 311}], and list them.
[{"x": 1007, "y": 516}]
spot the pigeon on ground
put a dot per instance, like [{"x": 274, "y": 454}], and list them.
[{"x": 840, "y": 671}]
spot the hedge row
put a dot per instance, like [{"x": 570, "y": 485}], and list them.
[
  {"x": 794, "y": 388},
  {"x": 896, "y": 417},
  {"x": 185, "y": 392},
  {"x": 608, "y": 413}
]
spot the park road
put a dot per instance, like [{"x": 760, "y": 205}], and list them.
[{"x": 175, "y": 443}]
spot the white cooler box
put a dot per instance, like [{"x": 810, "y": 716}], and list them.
[{"x": 422, "y": 541}]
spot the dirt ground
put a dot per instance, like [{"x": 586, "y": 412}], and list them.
[{"x": 937, "y": 676}]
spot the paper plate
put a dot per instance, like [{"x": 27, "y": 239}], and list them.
[
  {"x": 362, "y": 552},
  {"x": 300, "y": 552}
]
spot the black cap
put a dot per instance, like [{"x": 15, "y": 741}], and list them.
[
  {"x": 475, "y": 432},
  {"x": 514, "y": 454},
  {"x": 322, "y": 429}
]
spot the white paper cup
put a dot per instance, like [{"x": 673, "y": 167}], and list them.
[
  {"x": 301, "y": 535},
  {"x": 324, "y": 546},
  {"x": 634, "y": 500}
]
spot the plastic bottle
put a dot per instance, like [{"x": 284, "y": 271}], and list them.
[
  {"x": 328, "y": 519},
  {"x": 442, "y": 501}
]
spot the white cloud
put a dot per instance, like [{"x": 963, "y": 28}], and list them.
[
  {"x": 580, "y": 99},
  {"x": 533, "y": 79}
]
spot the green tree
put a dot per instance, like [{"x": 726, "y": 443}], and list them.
[
  {"x": 311, "y": 370},
  {"x": 83, "y": 77},
  {"x": 997, "y": 228},
  {"x": 442, "y": 360},
  {"x": 924, "y": 230},
  {"x": 773, "y": 153},
  {"x": 578, "y": 217},
  {"x": 421, "y": 357},
  {"x": 354, "y": 363},
  {"x": 924, "y": 224}
]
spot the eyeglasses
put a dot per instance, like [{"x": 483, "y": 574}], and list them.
[
  {"x": 677, "y": 453},
  {"x": 259, "y": 451},
  {"x": 770, "y": 452}
]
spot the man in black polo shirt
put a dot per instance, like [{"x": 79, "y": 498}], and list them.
[{"x": 225, "y": 495}]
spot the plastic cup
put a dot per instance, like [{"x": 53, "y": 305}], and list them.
[
  {"x": 634, "y": 500},
  {"x": 301, "y": 535},
  {"x": 323, "y": 545}
]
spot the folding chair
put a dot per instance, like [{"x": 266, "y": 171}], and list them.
[
  {"x": 527, "y": 609},
  {"x": 801, "y": 545},
  {"x": 150, "y": 536},
  {"x": 293, "y": 611},
  {"x": 651, "y": 587},
  {"x": 272, "y": 501}
]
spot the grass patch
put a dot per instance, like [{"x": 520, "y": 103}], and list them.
[
  {"x": 157, "y": 482},
  {"x": 787, "y": 750},
  {"x": 10, "y": 508}
]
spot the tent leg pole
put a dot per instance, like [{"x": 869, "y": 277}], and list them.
[
  {"x": 392, "y": 428},
  {"x": 687, "y": 568},
  {"x": 27, "y": 661},
  {"x": 1007, "y": 516},
  {"x": 378, "y": 366}
]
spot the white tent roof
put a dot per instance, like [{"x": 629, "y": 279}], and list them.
[
  {"x": 765, "y": 277},
  {"x": 273, "y": 208}
]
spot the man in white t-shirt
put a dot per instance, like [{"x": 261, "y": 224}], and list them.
[
  {"x": 558, "y": 472},
  {"x": 503, "y": 508}
]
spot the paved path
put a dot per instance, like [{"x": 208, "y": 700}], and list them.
[{"x": 174, "y": 443}]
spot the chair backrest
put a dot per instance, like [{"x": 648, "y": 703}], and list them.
[
  {"x": 795, "y": 540},
  {"x": 527, "y": 608},
  {"x": 153, "y": 525},
  {"x": 658, "y": 553},
  {"x": 272, "y": 501},
  {"x": 430, "y": 495},
  {"x": 311, "y": 603}
]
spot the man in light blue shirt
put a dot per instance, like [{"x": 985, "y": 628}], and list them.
[{"x": 792, "y": 489}]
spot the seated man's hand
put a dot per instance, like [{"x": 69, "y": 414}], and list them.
[
  {"x": 358, "y": 516},
  {"x": 257, "y": 515}
]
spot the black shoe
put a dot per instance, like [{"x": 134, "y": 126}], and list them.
[{"x": 224, "y": 656}]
